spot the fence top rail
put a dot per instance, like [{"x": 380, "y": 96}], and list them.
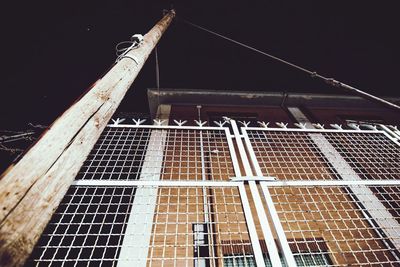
[
  {"x": 167, "y": 127},
  {"x": 299, "y": 127},
  {"x": 243, "y": 128},
  {"x": 154, "y": 183},
  {"x": 311, "y": 130}
]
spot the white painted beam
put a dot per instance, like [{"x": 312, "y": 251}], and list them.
[{"x": 137, "y": 236}]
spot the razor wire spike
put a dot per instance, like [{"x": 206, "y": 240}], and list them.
[
  {"x": 263, "y": 124},
  {"x": 336, "y": 126},
  {"x": 354, "y": 126},
  {"x": 138, "y": 121},
  {"x": 159, "y": 122},
  {"x": 200, "y": 123},
  {"x": 318, "y": 125},
  {"x": 117, "y": 121},
  {"x": 300, "y": 125},
  {"x": 282, "y": 125},
  {"x": 220, "y": 123},
  {"x": 180, "y": 122},
  {"x": 370, "y": 126},
  {"x": 244, "y": 123}
]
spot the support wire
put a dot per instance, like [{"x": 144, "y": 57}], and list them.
[{"x": 313, "y": 74}]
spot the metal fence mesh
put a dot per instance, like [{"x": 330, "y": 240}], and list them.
[
  {"x": 198, "y": 225},
  {"x": 87, "y": 228},
  {"x": 349, "y": 225},
  {"x": 146, "y": 226},
  {"x": 290, "y": 156},
  {"x": 171, "y": 154},
  {"x": 293, "y": 155},
  {"x": 371, "y": 156},
  {"x": 353, "y": 225}
]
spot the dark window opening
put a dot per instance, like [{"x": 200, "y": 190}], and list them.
[{"x": 201, "y": 245}]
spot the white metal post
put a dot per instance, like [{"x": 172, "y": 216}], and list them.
[
  {"x": 268, "y": 236},
  {"x": 242, "y": 150},
  {"x": 251, "y": 226},
  {"x": 137, "y": 236},
  {"x": 136, "y": 240},
  {"x": 286, "y": 251}
]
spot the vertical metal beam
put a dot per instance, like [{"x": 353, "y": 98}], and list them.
[
  {"x": 202, "y": 261},
  {"x": 287, "y": 252},
  {"x": 242, "y": 150},
  {"x": 284, "y": 245},
  {"x": 206, "y": 207},
  {"x": 365, "y": 196},
  {"x": 268, "y": 236},
  {"x": 137, "y": 236},
  {"x": 252, "y": 228}
]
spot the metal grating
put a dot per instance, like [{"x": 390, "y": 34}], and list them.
[
  {"x": 93, "y": 225},
  {"x": 161, "y": 220},
  {"x": 120, "y": 154},
  {"x": 117, "y": 155},
  {"x": 301, "y": 155},
  {"x": 290, "y": 156},
  {"x": 87, "y": 229},
  {"x": 334, "y": 222},
  {"x": 179, "y": 213},
  {"x": 185, "y": 149},
  {"x": 390, "y": 198},
  {"x": 371, "y": 156}
]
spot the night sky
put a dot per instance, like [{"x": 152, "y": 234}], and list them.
[{"x": 52, "y": 52}]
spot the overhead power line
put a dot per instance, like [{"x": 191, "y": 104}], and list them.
[{"x": 313, "y": 74}]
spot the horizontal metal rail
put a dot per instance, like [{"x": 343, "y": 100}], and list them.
[
  {"x": 311, "y": 130},
  {"x": 153, "y": 183},
  {"x": 176, "y": 127}
]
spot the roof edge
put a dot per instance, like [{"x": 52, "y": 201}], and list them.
[{"x": 254, "y": 98}]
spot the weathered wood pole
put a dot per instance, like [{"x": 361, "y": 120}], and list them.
[{"x": 32, "y": 189}]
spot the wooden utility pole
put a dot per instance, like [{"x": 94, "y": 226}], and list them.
[{"x": 31, "y": 190}]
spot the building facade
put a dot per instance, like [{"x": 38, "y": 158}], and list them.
[{"x": 235, "y": 179}]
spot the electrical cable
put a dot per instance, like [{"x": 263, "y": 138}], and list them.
[
  {"x": 246, "y": 46},
  {"x": 313, "y": 74},
  {"x": 157, "y": 69},
  {"x": 157, "y": 76},
  {"x": 122, "y": 51},
  {"x": 124, "y": 47}
]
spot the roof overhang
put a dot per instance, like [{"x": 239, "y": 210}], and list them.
[{"x": 253, "y": 98}]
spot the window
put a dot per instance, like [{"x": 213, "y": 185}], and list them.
[
  {"x": 201, "y": 245},
  {"x": 301, "y": 260},
  {"x": 239, "y": 261},
  {"x": 306, "y": 253}
]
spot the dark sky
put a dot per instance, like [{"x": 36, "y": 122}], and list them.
[{"x": 52, "y": 51}]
